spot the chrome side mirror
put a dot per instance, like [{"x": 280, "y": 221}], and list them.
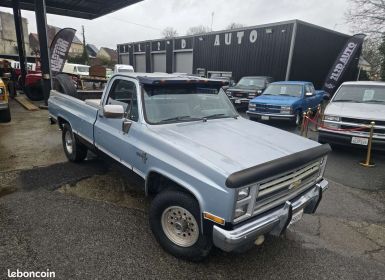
[
  {"x": 113, "y": 111},
  {"x": 309, "y": 94}
]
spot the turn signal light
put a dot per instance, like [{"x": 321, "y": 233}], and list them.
[{"x": 215, "y": 219}]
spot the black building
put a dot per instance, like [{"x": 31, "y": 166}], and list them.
[{"x": 292, "y": 50}]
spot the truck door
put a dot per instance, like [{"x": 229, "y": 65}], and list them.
[
  {"x": 109, "y": 135},
  {"x": 310, "y": 101}
]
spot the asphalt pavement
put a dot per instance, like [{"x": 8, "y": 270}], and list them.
[{"x": 86, "y": 221}]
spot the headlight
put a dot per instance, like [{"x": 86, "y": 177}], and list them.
[
  {"x": 252, "y": 106},
  {"x": 259, "y": 91},
  {"x": 243, "y": 193},
  {"x": 252, "y": 94},
  {"x": 240, "y": 211},
  {"x": 1, "y": 90},
  {"x": 332, "y": 118},
  {"x": 322, "y": 167},
  {"x": 285, "y": 109}
]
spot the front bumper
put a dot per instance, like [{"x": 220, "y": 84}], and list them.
[
  {"x": 274, "y": 222},
  {"x": 345, "y": 138},
  {"x": 4, "y": 105},
  {"x": 239, "y": 100},
  {"x": 271, "y": 116}
]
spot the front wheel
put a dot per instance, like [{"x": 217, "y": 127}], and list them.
[
  {"x": 74, "y": 150},
  {"x": 175, "y": 222}
]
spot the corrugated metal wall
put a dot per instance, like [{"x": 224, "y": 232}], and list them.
[
  {"x": 315, "y": 51},
  {"x": 256, "y": 51}
]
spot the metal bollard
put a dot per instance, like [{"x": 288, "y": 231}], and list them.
[
  {"x": 303, "y": 123},
  {"x": 308, "y": 115},
  {"x": 368, "y": 162}
]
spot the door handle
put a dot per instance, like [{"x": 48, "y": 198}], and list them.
[{"x": 126, "y": 125}]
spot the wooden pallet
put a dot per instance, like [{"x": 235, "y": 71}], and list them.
[{"x": 26, "y": 103}]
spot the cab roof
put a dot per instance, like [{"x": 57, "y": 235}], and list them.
[
  {"x": 365, "y": 83},
  {"x": 291, "y": 83},
  {"x": 164, "y": 78}
]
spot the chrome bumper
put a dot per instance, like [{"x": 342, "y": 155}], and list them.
[
  {"x": 273, "y": 116},
  {"x": 240, "y": 100},
  {"x": 274, "y": 223},
  {"x": 4, "y": 105}
]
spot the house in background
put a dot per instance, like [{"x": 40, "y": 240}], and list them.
[
  {"x": 8, "y": 42},
  {"x": 76, "y": 48},
  {"x": 92, "y": 50},
  {"x": 108, "y": 54}
]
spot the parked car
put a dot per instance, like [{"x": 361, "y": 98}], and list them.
[
  {"x": 5, "y": 111},
  {"x": 353, "y": 105},
  {"x": 285, "y": 101},
  {"x": 76, "y": 69},
  {"x": 178, "y": 134},
  {"x": 247, "y": 88},
  {"x": 123, "y": 68},
  {"x": 224, "y": 76}
]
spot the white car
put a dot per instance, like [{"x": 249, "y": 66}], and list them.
[
  {"x": 76, "y": 69},
  {"x": 353, "y": 107}
]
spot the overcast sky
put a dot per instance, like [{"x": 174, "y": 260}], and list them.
[{"x": 125, "y": 25}]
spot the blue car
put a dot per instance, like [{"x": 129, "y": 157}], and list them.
[{"x": 285, "y": 101}]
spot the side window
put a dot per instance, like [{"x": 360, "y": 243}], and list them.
[
  {"x": 123, "y": 93},
  {"x": 307, "y": 88}
]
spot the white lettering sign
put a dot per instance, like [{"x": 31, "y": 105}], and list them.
[
  {"x": 228, "y": 38},
  {"x": 58, "y": 54},
  {"x": 253, "y": 36},
  {"x": 217, "y": 43},
  {"x": 240, "y": 35},
  {"x": 183, "y": 44}
]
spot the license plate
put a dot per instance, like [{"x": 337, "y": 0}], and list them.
[
  {"x": 265, "y": 118},
  {"x": 296, "y": 217},
  {"x": 237, "y": 101},
  {"x": 359, "y": 141}
]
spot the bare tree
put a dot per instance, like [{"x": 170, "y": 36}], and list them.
[
  {"x": 234, "y": 25},
  {"x": 169, "y": 32},
  {"x": 196, "y": 30},
  {"x": 367, "y": 16},
  {"x": 370, "y": 52}
]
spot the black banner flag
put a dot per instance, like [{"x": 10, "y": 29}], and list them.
[
  {"x": 59, "y": 49},
  {"x": 343, "y": 61}
]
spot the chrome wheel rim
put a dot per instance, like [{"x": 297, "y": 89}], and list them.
[
  {"x": 180, "y": 226},
  {"x": 68, "y": 141}
]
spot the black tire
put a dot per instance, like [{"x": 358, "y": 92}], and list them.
[
  {"x": 63, "y": 83},
  {"x": 5, "y": 115},
  {"x": 78, "y": 151},
  {"x": 34, "y": 92},
  {"x": 202, "y": 246}
]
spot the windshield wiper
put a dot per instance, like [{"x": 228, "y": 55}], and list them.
[
  {"x": 213, "y": 116},
  {"x": 375, "y": 101},
  {"x": 179, "y": 118}
]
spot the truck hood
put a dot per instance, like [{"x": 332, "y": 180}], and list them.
[
  {"x": 275, "y": 100},
  {"x": 231, "y": 145},
  {"x": 357, "y": 110},
  {"x": 244, "y": 88}
]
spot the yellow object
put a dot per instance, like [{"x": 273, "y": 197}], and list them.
[
  {"x": 213, "y": 218},
  {"x": 368, "y": 162},
  {"x": 3, "y": 93}
]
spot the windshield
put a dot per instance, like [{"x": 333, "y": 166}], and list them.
[
  {"x": 360, "y": 94},
  {"x": 285, "y": 90},
  {"x": 125, "y": 70},
  {"x": 82, "y": 69},
  {"x": 251, "y": 82},
  {"x": 172, "y": 103}
]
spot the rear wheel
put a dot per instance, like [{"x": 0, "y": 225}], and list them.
[
  {"x": 175, "y": 221},
  {"x": 5, "y": 115},
  {"x": 74, "y": 150}
]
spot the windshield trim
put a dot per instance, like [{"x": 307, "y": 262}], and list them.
[{"x": 236, "y": 115}]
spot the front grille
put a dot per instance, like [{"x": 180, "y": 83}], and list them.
[
  {"x": 267, "y": 108},
  {"x": 361, "y": 121},
  {"x": 283, "y": 185},
  {"x": 239, "y": 94}
]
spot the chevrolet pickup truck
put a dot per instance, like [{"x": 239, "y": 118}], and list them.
[
  {"x": 355, "y": 105},
  {"x": 285, "y": 101},
  {"x": 178, "y": 134},
  {"x": 247, "y": 88}
]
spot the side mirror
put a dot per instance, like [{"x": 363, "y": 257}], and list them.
[
  {"x": 309, "y": 94},
  {"x": 113, "y": 111}
]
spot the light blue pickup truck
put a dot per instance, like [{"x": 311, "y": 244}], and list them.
[{"x": 178, "y": 134}]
